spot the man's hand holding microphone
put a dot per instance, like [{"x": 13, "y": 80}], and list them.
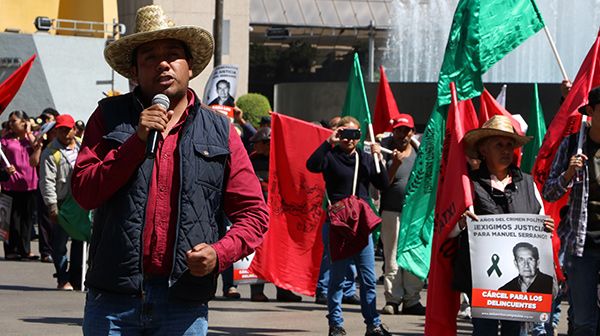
[{"x": 153, "y": 121}]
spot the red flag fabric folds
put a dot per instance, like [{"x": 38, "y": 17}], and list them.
[
  {"x": 10, "y": 87},
  {"x": 291, "y": 253},
  {"x": 489, "y": 107},
  {"x": 385, "y": 106},
  {"x": 454, "y": 196},
  {"x": 566, "y": 122}
]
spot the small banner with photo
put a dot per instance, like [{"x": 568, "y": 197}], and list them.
[
  {"x": 221, "y": 88},
  {"x": 512, "y": 267}
]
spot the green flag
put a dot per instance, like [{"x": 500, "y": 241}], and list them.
[
  {"x": 482, "y": 33},
  {"x": 536, "y": 129},
  {"x": 356, "y": 104}
]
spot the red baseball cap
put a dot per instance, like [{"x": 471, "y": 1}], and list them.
[
  {"x": 64, "y": 120},
  {"x": 403, "y": 120}
]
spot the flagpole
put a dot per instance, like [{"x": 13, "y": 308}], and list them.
[
  {"x": 4, "y": 157},
  {"x": 383, "y": 149},
  {"x": 375, "y": 156},
  {"x": 555, "y": 51},
  {"x": 565, "y": 77}
]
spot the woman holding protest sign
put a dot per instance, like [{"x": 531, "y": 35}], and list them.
[
  {"x": 499, "y": 187},
  {"x": 348, "y": 171}
]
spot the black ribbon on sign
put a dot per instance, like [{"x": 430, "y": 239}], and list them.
[{"x": 494, "y": 267}]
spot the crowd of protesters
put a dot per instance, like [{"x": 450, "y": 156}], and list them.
[
  {"x": 172, "y": 263},
  {"x": 41, "y": 153}
]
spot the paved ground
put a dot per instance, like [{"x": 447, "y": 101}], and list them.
[{"x": 29, "y": 305}]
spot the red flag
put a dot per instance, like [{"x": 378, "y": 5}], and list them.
[
  {"x": 566, "y": 122},
  {"x": 10, "y": 87},
  {"x": 454, "y": 196},
  {"x": 489, "y": 107},
  {"x": 385, "y": 106},
  {"x": 290, "y": 255}
]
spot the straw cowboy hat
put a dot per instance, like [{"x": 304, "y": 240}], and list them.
[
  {"x": 151, "y": 24},
  {"x": 497, "y": 125}
]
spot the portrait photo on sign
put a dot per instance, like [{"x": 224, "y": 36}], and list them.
[
  {"x": 512, "y": 267},
  {"x": 221, "y": 87}
]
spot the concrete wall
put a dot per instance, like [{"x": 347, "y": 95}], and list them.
[
  {"x": 201, "y": 13},
  {"x": 34, "y": 94},
  {"x": 64, "y": 75},
  {"x": 321, "y": 101}
]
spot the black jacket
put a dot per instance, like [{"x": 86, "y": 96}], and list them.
[{"x": 542, "y": 284}]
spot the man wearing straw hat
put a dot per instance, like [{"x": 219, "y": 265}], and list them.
[
  {"x": 158, "y": 238},
  {"x": 499, "y": 187},
  {"x": 580, "y": 229}
]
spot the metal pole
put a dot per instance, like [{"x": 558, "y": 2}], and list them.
[
  {"x": 218, "y": 31},
  {"x": 555, "y": 51},
  {"x": 84, "y": 258},
  {"x": 371, "y": 52}
]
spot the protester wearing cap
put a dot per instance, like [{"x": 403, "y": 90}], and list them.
[
  {"x": 499, "y": 187},
  {"x": 158, "y": 239},
  {"x": 56, "y": 169},
  {"x": 399, "y": 285},
  {"x": 581, "y": 227}
]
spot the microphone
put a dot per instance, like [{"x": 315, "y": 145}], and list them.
[{"x": 152, "y": 141}]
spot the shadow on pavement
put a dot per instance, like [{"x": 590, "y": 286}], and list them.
[
  {"x": 249, "y": 331},
  {"x": 239, "y": 309},
  {"x": 73, "y": 321},
  {"x": 311, "y": 307},
  {"x": 25, "y": 288}
]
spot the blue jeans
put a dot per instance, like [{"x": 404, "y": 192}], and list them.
[
  {"x": 348, "y": 284},
  {"x": 583, "y": 282},
  {"x": 154, "y": 314},
  {"x": 365, "y": 264},
  {"x": 547, "y": 328},
  {"x": 66, "y": 271}
]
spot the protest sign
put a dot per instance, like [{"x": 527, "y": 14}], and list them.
[
  {"x": 5, "y": 211},
  {"x": 220, "y": 90},
  {"x": 241, "y": 274},
  {"x": 512, "y": 267}
]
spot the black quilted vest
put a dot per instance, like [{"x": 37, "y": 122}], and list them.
[
  {"x": 116, "y": 243},
  {"x": 518, "y": 197}
]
